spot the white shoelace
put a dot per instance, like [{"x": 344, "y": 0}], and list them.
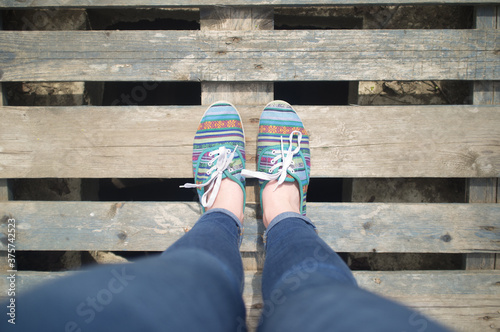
[
  {"x": 286, "y": 158},
  {"x": 223, "y": 156}
]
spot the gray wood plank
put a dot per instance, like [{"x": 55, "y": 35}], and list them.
[
  {"x": 5, "y": 192},
  {"x": 346, "y": 141},
  {"x": 463, "y": 301},
  {"x": 483, "y": 190},
  {"x": 201, "y": 3},
  {"x": 243, "y": 19},
  {"x": 347, "y": 227},
  {"x": 235, "y": 56},
  {"x": 248, "y": 93},
  {"x": 231, "y": 18},
  {"x": 237, "y": 93},
  {"x": 486, "y": 17}
]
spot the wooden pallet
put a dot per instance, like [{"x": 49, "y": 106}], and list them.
[{"x": 236, "y": 56}]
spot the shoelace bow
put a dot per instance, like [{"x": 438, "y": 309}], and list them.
[
  {"x": 223, "y": 156},
  {"x": 285, "y": 163}
]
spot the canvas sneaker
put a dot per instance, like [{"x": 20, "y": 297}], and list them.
[
  {"x": 218, "y": 152},
  {"x": 282, "y": 149}
]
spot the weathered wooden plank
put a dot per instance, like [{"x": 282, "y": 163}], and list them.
[
  {"x": 5, "y": 192},
  {"x": 237, "y": 93},
  {"x": 486, "y": 17},
  {"x": 346, "y": 141},
  {"x": 247, "y": 93},
  {"x": 429, "y": 282},
  {"x": 483, "y": 190},
  {"x": 4, "y": 196},
  {"x": 201, "y": 3},
  {"x": 347, "y": 227},
  {"x": 235, "y": 56},
  {"x": 463, "y": 301},
  {"x": 243, "y": 19},
  {"x": 480, "y": 261}
]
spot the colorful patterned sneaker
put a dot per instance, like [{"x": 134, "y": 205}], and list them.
[
  {"x": 218, "y": 152},
  {"x": 282, "y": 149}
]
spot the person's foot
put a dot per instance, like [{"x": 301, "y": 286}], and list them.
[
  {"x": 284, "y": 198},
  {"x": 284, "y": 161},
  {"x": 219, "y": 158}
]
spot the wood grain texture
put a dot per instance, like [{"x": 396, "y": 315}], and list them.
[
  {"x": 243, "y": 19},
  {"x": 459, "y": 300},
  {"x": 463, "y": 301},
  {"x": 5, "y": 193},
  {"x": 242, "y": 93},
  {"x": 201, "y": 3},
  {"x": 486, "y": 17},
  {"x": 347, "y": 227},
  {"x": 256, "y": 56},
  {"x": 484, "y": 190},
  {"x": 240, "y": 18},
  {"x": 346, "y": 141},
  {"x": 237, "y": 93}
]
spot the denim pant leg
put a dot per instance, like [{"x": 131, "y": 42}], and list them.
[
  {"x": 307, "y": 287},
  {"x": 195, "y": 285}
]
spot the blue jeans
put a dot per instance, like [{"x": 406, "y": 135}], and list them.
[{"x": 197, "y": 284}]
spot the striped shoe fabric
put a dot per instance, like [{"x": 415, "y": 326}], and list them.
[
  {"x": 282, "y": 149},
  {"x": 218, "y": 152}
]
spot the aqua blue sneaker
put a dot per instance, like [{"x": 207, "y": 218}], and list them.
[
  {"x": 282, "y": 149},
  {"x": 218, "y": 152}
]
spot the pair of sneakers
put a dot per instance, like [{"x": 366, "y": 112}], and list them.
[{"x": 219, "y": 151}]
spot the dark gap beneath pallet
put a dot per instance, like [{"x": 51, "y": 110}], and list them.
[
  {"x": 68, "y": 260},
  {"x": 151, "y": 93},
  {"x": 73, "y": 260},
  {"x": 101, "y": 19},
  {"x": 325, "y": 190},
  {"x": 305, "y": 22},
  {"x": 143, "y": 19},
  {"x": 383, "y": 93},
  {"x": 383, "y": 190},
  {"x": 189, "y": 93},
  {"x": 403, "y": 261},
  {"x": 156, "y": 190},
  {"x": 408, "y": 190},
  {"x": 374, "y": 17},
  {"x": 336, "y": 17},
  {"x": 313, "y": 93},
  {"x": 159, "y": 190}
]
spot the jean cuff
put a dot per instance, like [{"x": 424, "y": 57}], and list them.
[
  {"x": 235, "y": 219},
  {"x": 286, "y": 215}
]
